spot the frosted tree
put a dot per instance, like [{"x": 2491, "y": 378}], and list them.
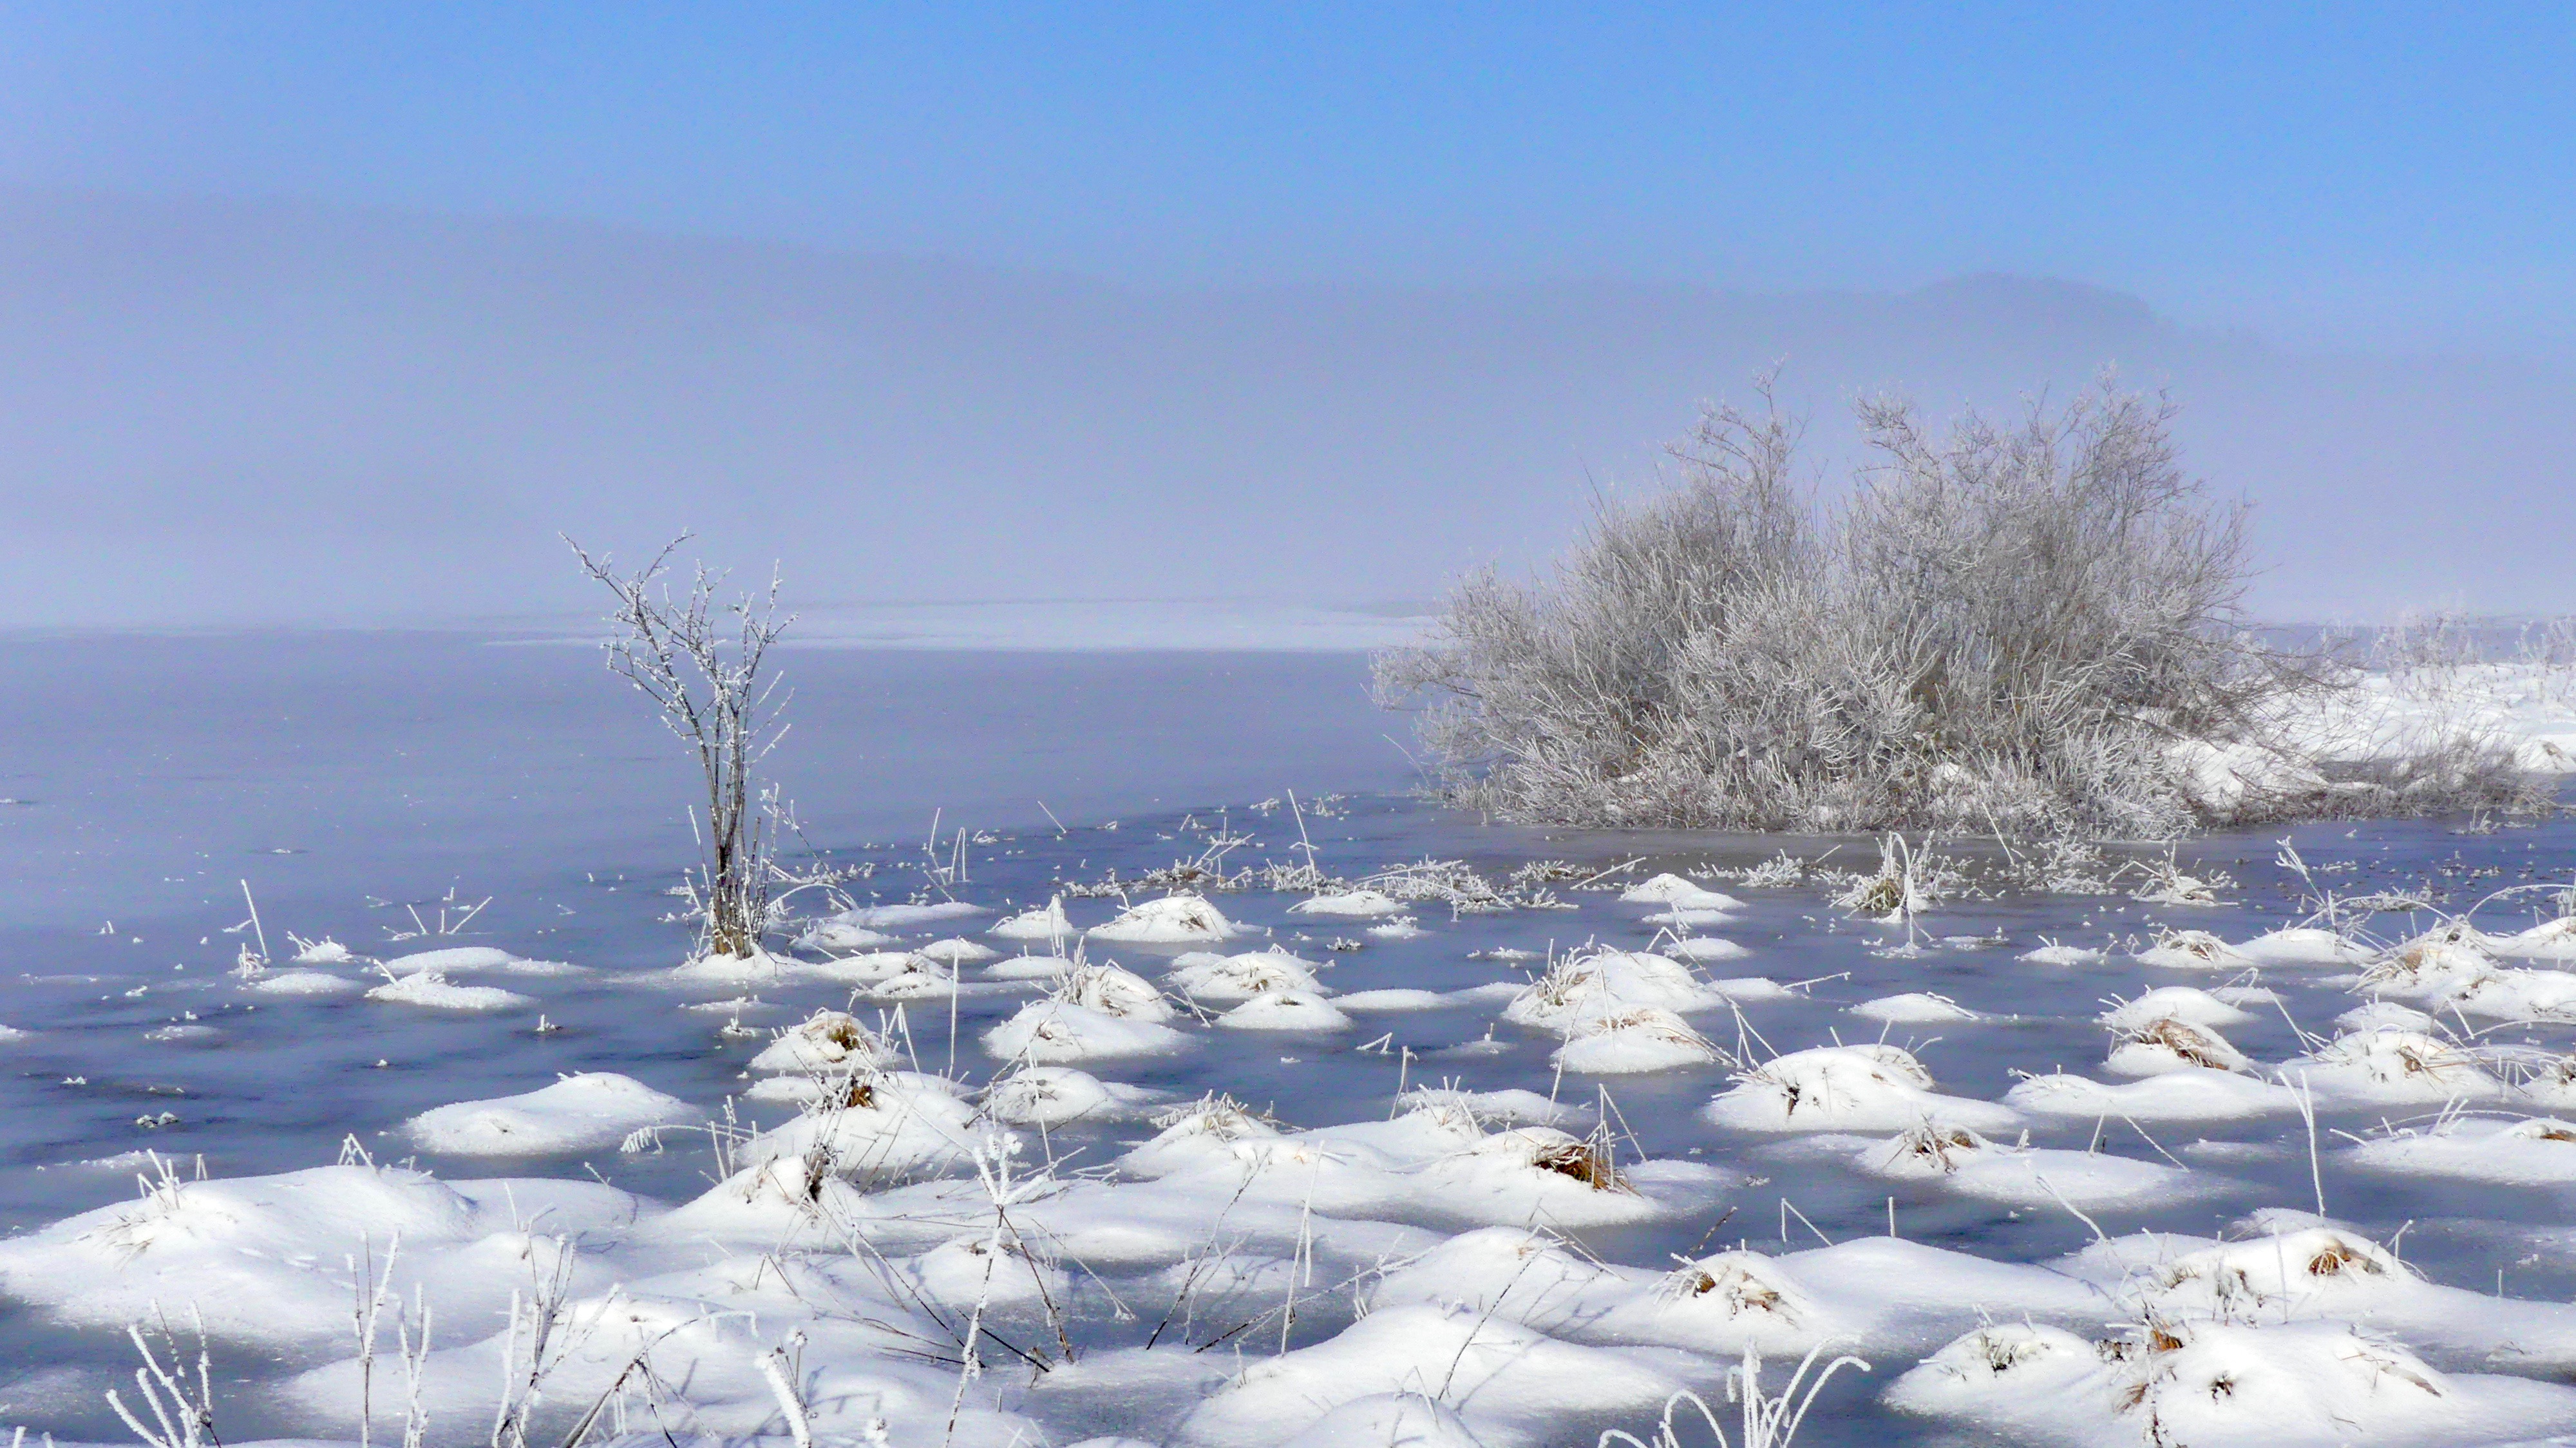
[{"x": 700, "y": 659}]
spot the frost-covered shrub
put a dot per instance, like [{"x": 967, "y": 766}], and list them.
[{"x": 2031, "y": 627}]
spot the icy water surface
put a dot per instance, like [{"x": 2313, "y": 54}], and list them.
[{"x": 374, "y": 791}]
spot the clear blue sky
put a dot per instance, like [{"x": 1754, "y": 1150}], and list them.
[{"x": 2327, "y": 168}]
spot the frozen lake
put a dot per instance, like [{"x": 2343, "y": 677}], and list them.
[{"x": 370, "y": 787}]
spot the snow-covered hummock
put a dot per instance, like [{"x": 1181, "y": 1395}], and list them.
[
  {"x": 2188, "y": 1004},
  {"x": 1508, "y": 1384},
  {"x": 2507, "y": 994},
  {"x": 703, "y": 1332},
  {"x": 1046, "y": 923},
  {"x": 1397, "y": 998},
  {"x": 1350, "y": 905},
  {"x": 1057, "y": 1031},
  {"x": 1847, "y": 1088},
  {"x": 2385, "y": 1015},
  {"x": 1605, "y": 982},
  {"x": 1434, "y": 1164},
  {"x": 2283, "y": 1265},
  {"x": 867, "y": 968},
  {"x": 2194, "y": 1093},
  {"x": 2303, "y": 945},
  {"x": 920, "y": 979},
  {"x": 2551, "y": 1084},
  {"x": 906, "y": 917},
  {"x": 1704, "y": 947},
  {"x": 822, "y": 935},
  {"x": 1054, "y": 1095},
  {"x": 2429, "y": 967},
  {"x": 2214, "y": 1385},
  {"x": 432, "y": 990},
  {"x": 1513, "y": 1105},
  {"x": 588, "y": 1111},
  {"x": 1113, "y": 990},
  {"x": 1640, "y": 1038},
  {"x": 826, "y": 1043},
  {"x": 2392, "y": 1066},
  {"x": 955, "y": 951},
  {"x": 1403, "y": 927},
  {"x": 759, "y": 967},
  {"x": 261, "y": 1257},
  {"x": 1870, "y": 1295},
  {"x": 1674, "y": 892},
  {"x": 1972, "y": 1166},
  {"x": 2538, "y": 1151},
  {"x": 2165, "y": 1044},
  {"x": 452, "y": 960},
  {"x": 2192, "y": 950},
  {"x": 1172, "y": 920},
  {"x": 1224, "y": 979},
  {"x": 12, "y": 1033},
  {"x": 324, "y": 951},
  {"x": 1029, "y": 967},
  {"x": 878, "y": 1124},
  {"x": 1286, "y": 1008},
  {"x": 301, "y": 983},
  {"x": 2549, "y": 940},
  {"x": 2055, "y": 954},
  {"x": 1916, "y": 1008}
]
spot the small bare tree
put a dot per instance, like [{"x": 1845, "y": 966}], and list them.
[{"x": 700, "y": 661}]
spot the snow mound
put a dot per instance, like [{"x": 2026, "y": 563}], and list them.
[
  {"x": 1506, "y": 1383},
  {"x": 1286, "y": 1009},
  {"x": 906, "y": 917},
  {"x": 1173, "y": 920},
  {"x": 2166, "y": 1044},
  {"x": 431, "y": 990},
  {"x": 1639, "y": 1039},
  {"x": 1607, "y": 982},
  {"x": 260, "y": 1257},
  {"x": 1029, "y": 967},
  {"x": 1114, "y": 991},
  {"x": 1705, "y": 947},
  {"x": 2393, "y": 1066},
  {"x": 824, "y": 1044},
  {"x": 1054, "y": 1095},
  {"x": 1047, "y": 923},
  {"x": 2534, "y": 1152},
  {"x": 2194, "y": 1093},
  {"x": 2217, "y": 1385},
  {"x": 1055, "y": 1032},
  {"x": 2053, "y": 954},
  {"x": 2303, "y": 946},
  {"x": 302, "y": 983},
  {"x": 590, "y": 1111},
  {"x": 1227, "y": 979},
  {"x": 2185, "y": 1003},
  {"x": 822, "y": 935},
  {"x": 1350, "y": 905},
  {"x": 1847, "y": 1088},
  {"x": 2192, "y": 950},
  {"x": 1915, "y": 1008},
  {"x": 1677, "y": 893},
  {"x": 885, "y": 1123},
  {"x": 954, "y": 951},
  {"x": 2036, "y": 1177}
]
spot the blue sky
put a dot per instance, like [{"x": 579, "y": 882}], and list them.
[{"x": 2351, "y": 171}]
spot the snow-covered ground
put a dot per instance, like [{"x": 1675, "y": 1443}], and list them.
[{"x": 1020, "y": 1156}]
